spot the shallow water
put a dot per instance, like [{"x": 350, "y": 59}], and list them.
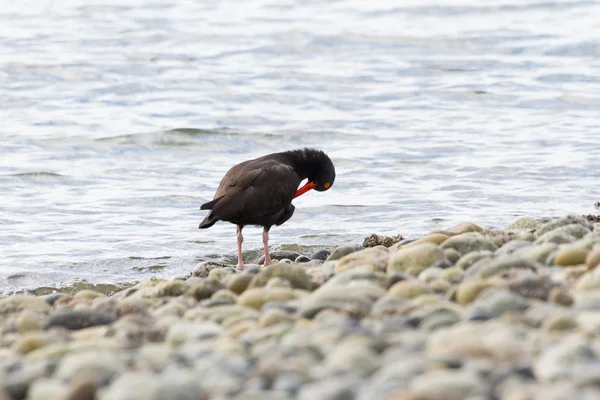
[{"x": 117, "y": 120}]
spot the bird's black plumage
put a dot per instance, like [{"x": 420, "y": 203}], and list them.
[{"x": 260, "y": 191}]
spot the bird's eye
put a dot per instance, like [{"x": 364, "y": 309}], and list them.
[{"x": 327, "y": 185}]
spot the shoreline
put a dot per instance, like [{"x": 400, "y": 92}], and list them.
[{"x": 458, "y": 313}]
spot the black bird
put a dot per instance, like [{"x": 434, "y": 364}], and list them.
[{"x": 260, "y": 191}]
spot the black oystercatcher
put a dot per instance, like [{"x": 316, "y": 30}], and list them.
[{"x": 260, "y": 191}]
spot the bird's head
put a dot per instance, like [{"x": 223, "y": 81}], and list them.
[{"x": 320, "y": 172}]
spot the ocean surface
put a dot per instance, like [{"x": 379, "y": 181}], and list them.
[{"x": 118, "y": 119}]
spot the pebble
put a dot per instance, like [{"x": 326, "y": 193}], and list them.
[
  {"x": 80, "y": 319},
  {"x": 340, "y": 252},
  {"x": 570, "y": 255},
  {"x": 295, "y": 274},
  {"x": 414, "y": 259},
  {"x": 467, "y": 242},
  {"x": 322, "y": 255}
]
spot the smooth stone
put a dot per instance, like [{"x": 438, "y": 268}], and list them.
[
  {"x": 468, "y": 291},
  {"x": 557, "y": 238},
  {"x": 536, "y": 253},
  {"x": 101, "y": 366},
  {"x": 80, "y": 319},
  {"x": 373, "y": 259},
  {"x": 559, "y": 323},
  {"x": 527, "y": 223},
  {"x": 21, "y": 377},
  {"x": 239, "y": 282},
  {"x": 491, "y": 340},
  {"x": 414, "y": 259},
  {"x": 592, "y": 260},
  {"x": 179, "y": 384},
  {"x": 532, "y": 286},
  {"x": 32, "y": 341},
  {"x": 570, "y": 256},
  {"x": 225, "y": 296},
  {"x": 203, "y": 269},
  {"x": 220, "y": 274},
  {"x": 280, "y": 255},
  {"x": 288, "y": 382},
  {"x": 257, "y": 297},
  {"x": 341, "y": 251},
  {"x": 434, "y": 318},
  {"x": 346, "y": 277},
  {"x": 302, "y": 259},
  {"x": 52, "y": 298},
  {"x": 172, "y": 288},
  {"x": 31, "y": 321},
  {"x": 587, "y": 300},
  {"x": 293, "y": 273},
  {"x": 205, "y": 289},
  {"x": 489, "y": 267},
  {"x": 467, "y": 260},
  {"x": 559, "y": 222},
  {"x": 330, "y": 388},
  {"x": 352, "y": 354},
  {"x": 19, "y": 302},
  {"x": 134, "y": 385},
  {"x": 435, "y": 238},
  {"x": 322, "y": 255},
  {"x": 590, "y": 280},
  {"x": 355, "y": 300},
  {"x": 498, "y": 301},
  {"x": 452, "y": 255},
  {"x": 47, "y": 389},
  {"x": 277, "y": 282},
  {"x": 453, "y": 274},
  {"x": 449, "y": 385},
  {"x": 468, "y": 242},
  {"x": 409, "y": 289},
  {"x": 429, "y": 274},
  {"x": 577, "y": 231},
  {"x": 561, "y": 296},
  {"x": 558, "y": 360},
  {"x": 274, "y": 316},
  {"x": 396, "y": 277},
  {"x": 513, "y": 246},
  {"x": 154, "y": 356},
  {"x": 182, "y": 332}
]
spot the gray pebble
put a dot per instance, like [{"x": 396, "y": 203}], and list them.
[{"x": 80, "y": 319}]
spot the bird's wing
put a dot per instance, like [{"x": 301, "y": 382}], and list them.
[{"x": 252, "y": 190}]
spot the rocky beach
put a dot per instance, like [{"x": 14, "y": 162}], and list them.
[{"x": 463, "y": 313}]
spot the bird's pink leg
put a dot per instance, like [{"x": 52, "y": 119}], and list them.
[
  {"x": 266, "y": 245},
  {"x": 240, "y": 240}
]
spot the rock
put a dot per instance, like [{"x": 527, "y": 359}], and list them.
[
  {"x": 449, "y": 385},
  {"x": 467, "y": 242},
  {"x": 468, "y": 291},
  {"x": 205, "y": 289},
  {"x": 257, "y": 297},
  {"x": 352, "y": 354},
  {"x": 532, "y": 286},
  {"x": 274, "y": 316},
  {"x": 558, "y": 295},
  {"x": 433, "y": 318},
  {"x": 279, "y": 255},
  {"x": 489, "y": 267},
  {"x": 172, "y": 288},
  {"x": 371, "y": 259},
  {"x": 536, "y": 253},
  {"x": 340, "y": 252},
  {"x": 593, "y": 258},
  {"x": 467, "y": 260},
  {"x": 453, "y": 274},
  {"x": 180, "y": 384},
  {"x": 329, "y": 388},
  {"x": 570, "y": 256},
  {"x": 355, "y": 300},
  {"x": 100, "y": 366},
  {"x": 20, "y": 302},
  {"x": 376, "y": 240},
  {"x": 559, "y": 360},
  {"x": 182, "y": 332},
  {"x": 322, "y": 255},
  {"x": 239, "y": 282},
  {"x": 513, "y": 246},
  {"x": 559, "y": 323},
  {"x": 302, "y": 259},
  {"x": 80, "y": 319},
  {"x": 134, "y": 386},
  {"x": 490, "y": 340},
  {"x": 32, "y": 341},
  {"x": 31, "y": 321},
  {"x": 524, "y": 223},
  {"x": 220, "y": 274},
  {"x": 588, "y": 281},
  {"x": 409, "y": 289},
  {"x": 203, "y": 269},
  {"x": 497, "y": 301},
  {"x": 47, "y": 389},
  {"x": 435, "y": 238},
  {"x": 293, "y": 273},
  {"x": 18, "y": 379},
  {"x": 344, "y": 278},
  {"x": 414, "y": 259},
  {"x": 563, "y": 221},
  {"x": 452, "y": 255}
]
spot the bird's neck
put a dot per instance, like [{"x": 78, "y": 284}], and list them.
[{"x": 301, "y": 161}]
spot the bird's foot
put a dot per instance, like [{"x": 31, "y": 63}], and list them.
[
  {"x": 271, "y": 261},
  {"x": 241, "y": 266}
]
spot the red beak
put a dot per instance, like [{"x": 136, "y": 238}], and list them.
[{"x": 308, "y": 186}]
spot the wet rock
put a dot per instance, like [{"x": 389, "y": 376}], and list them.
[
  {"x": 80, "y": 319},
  {"x": 322, "y": 255},
  {"x": 468, "y": 242},
  {"x": 409, "y": 289},
  {"x": 563, "y": 221},
  {"x": 293, "y": 273},
  {"x": 377, "y": 240},
  {"x": 20, "y": 302},
  {"x": 302, "y": 259},
  {"x": 570, "y": 255},
  {"x": 341, "y": 251},
  {"x": 414, "y": 259},
  {"x": 525, "y": 223}
]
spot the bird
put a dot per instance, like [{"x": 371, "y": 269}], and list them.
[{"x": 260, "y": 191}]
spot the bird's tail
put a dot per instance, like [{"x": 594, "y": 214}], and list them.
[{"x": 207, "y": 222}]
